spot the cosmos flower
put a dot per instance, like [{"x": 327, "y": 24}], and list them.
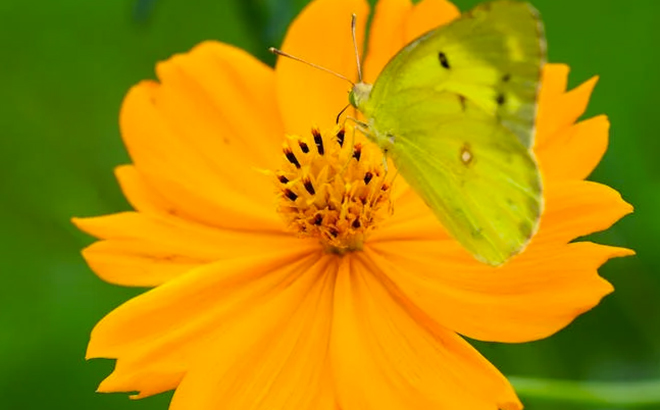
[{"x": 289, "y": 271}]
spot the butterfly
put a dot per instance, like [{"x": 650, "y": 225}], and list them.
[{"x": 455, "y": 111}]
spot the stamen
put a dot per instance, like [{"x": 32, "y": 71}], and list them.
[
  {"x": 357, "y": 152},
  {"x": 340, "y": 137},
  {"x": 337, "y": 193},
  {"x": 318, "y": 140},
  {"x": 290, "y": 194},
  {"x": 291, "y": 157},
  {"x": 309, "y": 187}
]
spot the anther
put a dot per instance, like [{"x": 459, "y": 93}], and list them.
[
  {"x": 318, "y": 140},
  {"x": 303, "y": 147},
  {"x": 283, "y": 179},
  {"x": 367, "y": 177},
  {"x": 318, "y": 219},
  {"x": 356, "y": 224},
  {"x": 290, "y": 194},
  {"x": 291, "y": 157},
  {"x": 309, "y": 187},
  {"x": 340, "y": 137},
  {"x": 357, "y": 151},
  {"x": 385, "y": 187}
]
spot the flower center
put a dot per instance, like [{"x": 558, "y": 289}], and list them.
[{"x": 332, "y": 189}]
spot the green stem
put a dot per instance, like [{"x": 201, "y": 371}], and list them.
[{"x": 629, "y": 394}]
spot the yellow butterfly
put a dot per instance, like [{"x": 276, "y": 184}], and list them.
[{"x": 455, "y": 110}]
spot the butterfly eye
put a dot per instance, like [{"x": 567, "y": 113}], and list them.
[{"x": 443, "y": 60}]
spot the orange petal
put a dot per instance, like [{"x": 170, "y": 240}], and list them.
[
  {"x": 574, "y": 153},
  {"x": 578, "y": 208},
  {"x": 531, "y": 297},
  {"x": 284, "y": 367},
  {"x": 182, "y": 174},
  {"x": 386, "y": 36},
  {"x": 321, "y": 34},
  {"x": 398, "y": 22},
  {"x": 387, "y": 355},
  {"x": 133, "y": 263},
  {"x": 554, "y": 80},
  {"x": 223, "y": 102},
  {"x": 146, "y": 250},
  {"x": 427, "y": 15},
  {"x": 139, "y": 194},
  {"x": 557, "y": 113},
  {"x": 160, "y": 335}
]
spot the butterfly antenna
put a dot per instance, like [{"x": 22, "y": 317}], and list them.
[
  {"x": 341, "y": 112},
  {"x": 357, "y": 54},
  {"x": 287, "y": 55}
]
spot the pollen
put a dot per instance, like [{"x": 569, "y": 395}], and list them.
[{"x": 332, "y": 189}]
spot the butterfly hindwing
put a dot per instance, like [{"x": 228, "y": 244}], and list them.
[{"x": 480, "y": 181}]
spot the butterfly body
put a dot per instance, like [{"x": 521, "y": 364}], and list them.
[{"x": 455, "y": 110}]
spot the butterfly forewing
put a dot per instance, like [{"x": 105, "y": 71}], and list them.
[{"x": 492, "y": 55}]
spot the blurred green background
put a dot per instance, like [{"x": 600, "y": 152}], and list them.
[{"x": 65, "y": 67}]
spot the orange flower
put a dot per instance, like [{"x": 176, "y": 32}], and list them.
[{"x": 268, "y": 294}]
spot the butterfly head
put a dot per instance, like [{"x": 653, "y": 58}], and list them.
[{"x": 359, "y": 95}]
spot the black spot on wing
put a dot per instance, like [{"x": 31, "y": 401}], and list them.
[
  {"x": 500, "y": 99},
  {"x": 443, "y": 60}
]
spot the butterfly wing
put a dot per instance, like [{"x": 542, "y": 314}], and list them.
[
  {"x": 492, "y": 55},
  {"x": 478, "y": 178},
  {"x": 456, "y": 109}
]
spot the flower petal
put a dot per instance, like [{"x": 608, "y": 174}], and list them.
[
  {"x": 190, "y": 142},
  {"x": 531, "y": 297},
  {"x": 386, "y": 354},
  {"x": 285, "y": 368},
  {"x": 160, "y": 334},
  {"x": 556, "y": 113},
  {"x": 386, "y": 36},
  {"x": 398, "y": 22},
  {"x": 321, "y": 34},
  {"x": 427, "y": 15},
  {"x": 146, "y": 250},
  {"x": 574, "y": 153},
  {"x": 578, "y": 208},
  {"x": 139, "y": 194}
]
